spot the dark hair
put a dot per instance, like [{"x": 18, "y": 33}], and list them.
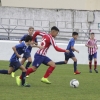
[
  {"x": 55, "y": 28},
  {"x": 74, "y": 33},
  {"x": 91, "y": 33},
  {"x": 28, "y": 38}
]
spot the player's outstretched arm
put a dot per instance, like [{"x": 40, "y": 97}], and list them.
[
  {"x": 74, "y": 49},
  {"x": 56, "y": 47},
  {"x": 37, "y": 33},
  {"x": 15, "y": 51}
]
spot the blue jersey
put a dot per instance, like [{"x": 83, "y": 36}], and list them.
[
  {"x": 71, "y": 44},
  {"x": 29, "y": 49},
  {"x": 21, "y": 48}
]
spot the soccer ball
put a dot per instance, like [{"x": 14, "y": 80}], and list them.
[{"x": 74, "y": 83}]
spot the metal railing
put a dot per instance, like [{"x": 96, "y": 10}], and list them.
[{"x": 14, "y": 29}]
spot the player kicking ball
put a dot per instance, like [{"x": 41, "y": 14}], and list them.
[
  {"x": 14, "y": 60},
  {"x": 40, "y": 56},
  {"x": 71, "y": 55},
  {"x": 92, "y": 52},
  {"x": 27, "y": 54}
]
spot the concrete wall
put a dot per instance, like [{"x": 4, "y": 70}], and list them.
[
  {"x": 55, "y": 4},
  {"x": 6, "y": 52},
  {"x": 41, "y": 18}
]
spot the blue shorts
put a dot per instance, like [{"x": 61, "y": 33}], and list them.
[
  {"x": 26, "y": 55},
  {"x": 39, "y": 59},
  {"x": 92, "y": 56},
  {"x": 69, "y": 55},
  {"x": 15, "y": 65}
]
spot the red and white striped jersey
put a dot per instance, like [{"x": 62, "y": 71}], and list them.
[
  {"x": 92, "y": 42},
  {"x": 47, "y": 40}
]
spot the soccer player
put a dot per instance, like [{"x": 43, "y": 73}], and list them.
[
  {"x": 71, "y": 55},
  {"x": 40, "y": 56},
  {"x": 14, "y": 60},
  {"x": 92, "y": 52},
  {"x": 27, "y": 55}
]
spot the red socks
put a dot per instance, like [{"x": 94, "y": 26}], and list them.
[
  {"x": 29, "y": 71},
  {"x": 90, "y": 65},
  {"x": 95, "y": 64},
  {"x": 49, "y": 71}
]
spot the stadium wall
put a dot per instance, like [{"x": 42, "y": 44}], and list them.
[
  {"x": 66, "y": 19},
  {"x": 6, "y": 52},
  {"x": 55, "y": 4}
]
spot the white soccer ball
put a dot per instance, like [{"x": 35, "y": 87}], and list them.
[{"x": 74, "y": 83}]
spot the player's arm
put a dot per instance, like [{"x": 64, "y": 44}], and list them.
[
  {"x": 36, "y": 34},
  {"x": 96, "y": 45},
  {"x": 87, "y": 44},
  {"x": 15, "y": 51},
  {"x": 56, "y": 47},
  {"x": 22, "y": 39},
  {"x": 72, "y": 47},
  {"x": 40, "y": 47}
]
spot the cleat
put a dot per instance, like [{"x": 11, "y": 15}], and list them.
[
  {"x": 26, "y": 85},
  {"x": 45, "y": 80},
  {"x": 77, "y": 72},
  {"x": 27, "y": 76},
  {"x": 90, "y": 71},
  {"x": 18, "y": 80},
  {"x": 13, "y": 74},
  {"x": 96, "y": 70}
]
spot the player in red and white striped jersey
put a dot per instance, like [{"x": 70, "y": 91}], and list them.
[
  {"x": 92, "y": 52},
  {"x": 40, "y": 56}
]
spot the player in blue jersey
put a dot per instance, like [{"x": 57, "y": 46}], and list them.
[
  {"x": 71, "y": 55},
  {"x": 26, "y": 55},
  {"x": 14, "y": 60}
]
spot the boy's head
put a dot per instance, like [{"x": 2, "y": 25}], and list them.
[
  {"x": 31, "y": 30},
  {"x": 54, "y": 31},
  {"x": 75, "y": 35},
  {"x": 92, "y": 35},
  {"x": 28, "y": 39}
]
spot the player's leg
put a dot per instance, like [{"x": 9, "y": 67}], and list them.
[
  {"x": 9, "y": 71},
  {"x": 75, "y": 64},
  {"x": 29, "y": 62},
  {"x": 38, "y": 59},
  {"x": 22, "y": 62},
  {"x": 52, "y": 66},
  {"x": 90, "y": 57},
  {"x": 62, "y": 62},
  {"x": 95, "y": 63},
  {"x": 22, "y": 81}
]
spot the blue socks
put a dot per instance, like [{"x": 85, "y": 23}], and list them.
[
  {"x": 27, "y": 65},
  {"x": 23, "y": 77},
  {"x": 75, "y": 66},
  {"x": 3, "y": 71},
  {"x": 60, "y": 63}
]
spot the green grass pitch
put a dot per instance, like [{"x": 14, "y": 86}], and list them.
[{"x": 89, "y": 88}]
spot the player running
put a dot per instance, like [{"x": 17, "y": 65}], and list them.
[
  {"x": 92, "y": 52},
  {"x": 71, "y": 55},
  {"x": 14, "y": 60},
  {"x": 27, "y": 55},
  {"x": 40, "y": 56}
]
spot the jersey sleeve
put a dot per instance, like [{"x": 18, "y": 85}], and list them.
[
  {"x": 23, "y": 38},
  {"x": 55, "y": 46},
  {"x": 87, "y": 43},
  {"x": 19, "y": 46},
  {"x": 72, "y": 43},
  {"x": 37, "y": 33}
]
